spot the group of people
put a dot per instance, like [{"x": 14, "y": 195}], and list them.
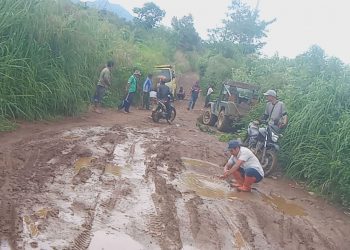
[
  {"x": 195, "y": 90},
  {"x": 148, "y": 92},
  {"x": 243, "y": 166}
]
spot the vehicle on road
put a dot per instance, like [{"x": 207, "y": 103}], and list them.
[
  {"x": 160, "y": 111},
  {"x": 234, "y": 101},
  {"x": 168, "y": 73},
  {"x": 262, "y": 140}
]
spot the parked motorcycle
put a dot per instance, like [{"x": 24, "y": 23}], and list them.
[
  {"x": 160, "y": 111},
  {"x": 262, "y": 140}
]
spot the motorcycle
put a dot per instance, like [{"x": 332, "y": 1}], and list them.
[
  {"x": 160, "y": 111},
  {"x": 262, "y": 140}
]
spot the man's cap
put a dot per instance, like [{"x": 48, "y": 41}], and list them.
[
  {"x": 233, "y": 144},
  {"x": 137, "y": 72},
  {"x": 271, "y": 92}
]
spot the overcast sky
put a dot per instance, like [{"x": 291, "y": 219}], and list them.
[{"x": 299, "y": 24}]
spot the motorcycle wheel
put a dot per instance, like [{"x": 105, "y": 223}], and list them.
[
  {"x": 155, "y": 116},
  {"x": 269, "y": 162},
  {"x": 172, "y": 116}
]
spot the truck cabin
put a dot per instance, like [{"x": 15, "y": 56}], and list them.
[{"x": 239, "y": 93}]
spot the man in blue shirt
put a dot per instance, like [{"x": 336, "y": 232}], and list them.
[{"x": 147, "y": 86}]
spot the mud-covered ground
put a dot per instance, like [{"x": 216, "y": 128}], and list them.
[{"x": 117, "y": 181}]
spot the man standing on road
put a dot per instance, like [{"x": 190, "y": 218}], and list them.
[
  {"x": 131, "y": 88},
  {"x": 147, "y": 86},
  {"x": 243, "y": 166},
  {"x": 103, "y": 83},
  {"x": 275, "y": 112},
  {"x": 194, "y": 95},
  {"x": 207, "y": 98}
]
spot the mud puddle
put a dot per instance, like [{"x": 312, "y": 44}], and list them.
[
  {"x": 214, "y": 188},
  {"x": 98, "y": 198}
]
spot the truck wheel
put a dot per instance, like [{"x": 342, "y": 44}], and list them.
[
  {"x": 224, "y": 122},
  {"x": 209, "y": 118}
]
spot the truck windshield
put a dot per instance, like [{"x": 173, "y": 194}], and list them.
[{"x": 163, "y": 72}]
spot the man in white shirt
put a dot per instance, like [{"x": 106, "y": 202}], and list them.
[
  {"x": 207, "y": 98},
  {"x": 243, "y": 166}
]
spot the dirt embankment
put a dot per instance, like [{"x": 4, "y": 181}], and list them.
[{"x": 109, "y": 180}]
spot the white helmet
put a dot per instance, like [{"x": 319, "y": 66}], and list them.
[{"x": 270, "y": 92}]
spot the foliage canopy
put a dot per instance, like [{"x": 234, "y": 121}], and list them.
[{"x": 149, "y": 16}]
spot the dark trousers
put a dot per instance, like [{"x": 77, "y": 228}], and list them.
[
  {"x": 127, "y": 101},
  {"x": 168, "y": 108},
  {"x": 145, "y": 99},
  {"x": 207, "y": 100},
  {"x": 192, "y": 101},
  {"x": 99, "y": 94}
]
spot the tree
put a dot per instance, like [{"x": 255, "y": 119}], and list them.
[
  {"x": 187, "y": 36},
  {"x": 149, "y": 16},
  {"x": 242, "y": 27}
]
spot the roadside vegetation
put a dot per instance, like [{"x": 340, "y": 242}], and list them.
[{"x": 51, "y": 53}]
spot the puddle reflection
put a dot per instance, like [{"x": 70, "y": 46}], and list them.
[
  {"x": 283, "y": 206},
  {"x": 31, "y": 226},
  {"x": 239, "y": 240},
  {"x": 212, "y": 187},
  {"x": 112, "y": 241},
  {"x": 113, "y": 169},
  {"x": 83, "y": 162},
  {"x": 195, "y": 164}
]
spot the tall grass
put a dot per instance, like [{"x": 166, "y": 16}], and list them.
[
  {"x": 48, "y": 58},
  {"x": 316, "y": 146},
  {"x": 51, "y": 53}
]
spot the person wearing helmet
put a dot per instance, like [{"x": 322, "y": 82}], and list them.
[
  {"x": 165, "y": 95},
  {"x": 275, "y": 112},
  {"x": 243, "y": 166}
]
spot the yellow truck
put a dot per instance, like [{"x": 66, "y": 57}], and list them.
[{"x": 168, "y": 73}]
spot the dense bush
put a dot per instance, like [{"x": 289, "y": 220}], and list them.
[{"x": 51, "y": 53}]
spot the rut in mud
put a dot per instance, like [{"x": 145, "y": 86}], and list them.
[{"x": 120, "y": 180}]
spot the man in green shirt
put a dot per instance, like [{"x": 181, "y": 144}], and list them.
[
  {"x": 131, "y": 88},
  {"x": 103, "y": 83}
]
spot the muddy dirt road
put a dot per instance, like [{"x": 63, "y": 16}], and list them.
[{"x": 117, "y": 181}]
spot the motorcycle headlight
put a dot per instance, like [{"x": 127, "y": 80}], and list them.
[
  {"x": 253, "y": 132},
  {"x": 274, "y": 137}
]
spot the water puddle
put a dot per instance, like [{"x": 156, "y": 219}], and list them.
[
  {"x": 113, "y": 169},
  {"x": 83, "y": 162},
  {"x": 283, "y": 206},
  {"x": 131, "y": 156},
  {"x": 4, "y": 245},
  {"x": 71, "y": 137},
  {"x": 111, "y": 241},
  {"x": 213, "y": 187},
  {"x": 42, "y": 213},
  {"x": 197, "y": 164},
  {"x": 31, "y": 226},
  {"x": 239, "y": 240}
]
